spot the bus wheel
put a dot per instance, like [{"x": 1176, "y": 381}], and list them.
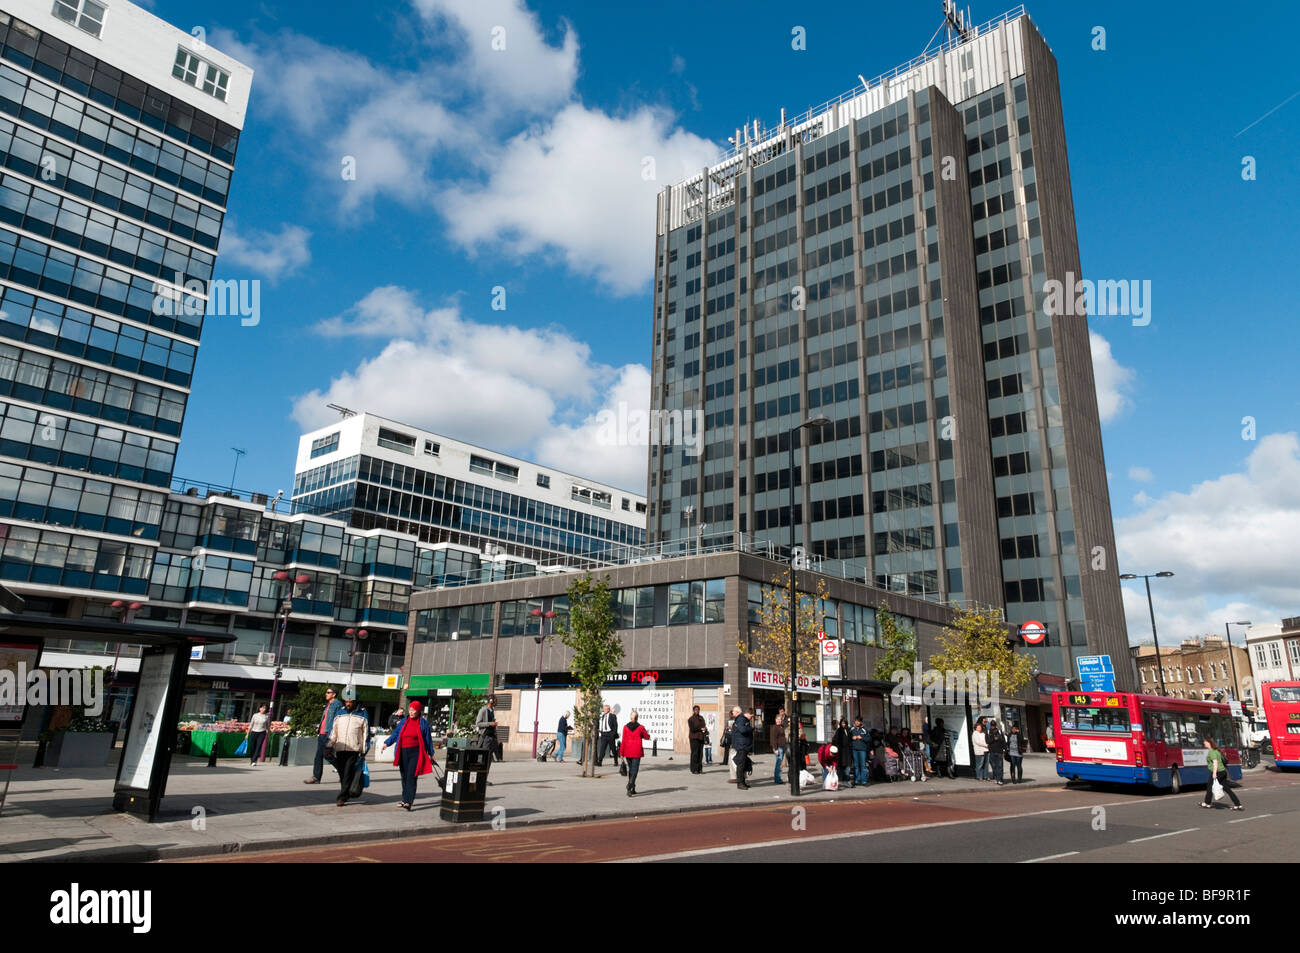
[{"x": 1175, "y": 783}]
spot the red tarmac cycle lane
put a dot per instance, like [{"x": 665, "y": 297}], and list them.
[{"x": 642, "y": 836}]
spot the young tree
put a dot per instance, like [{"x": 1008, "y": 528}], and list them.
[
  {"x": 597, "y": 651},
  {"x": 979, "y": 641},
  {"x": 768, "y": 642},
  {"x": 899, "y": 645}
]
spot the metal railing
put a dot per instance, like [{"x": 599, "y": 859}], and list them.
[
  {"x": 919, "y": 60},
  {"x": 370, "y": 663}
]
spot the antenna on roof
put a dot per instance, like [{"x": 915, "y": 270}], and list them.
[
  {"x": 957, "y": 21},
  {"x": 344, "y": 412}
]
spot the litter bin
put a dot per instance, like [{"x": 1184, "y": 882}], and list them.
[{"x": 464, "y": 789}]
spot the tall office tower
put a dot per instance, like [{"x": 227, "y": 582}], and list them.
[
  {"x": 377, "y": 473},
  {"x": 118, "y": 135},
  {"x": 881, "y": 262}
]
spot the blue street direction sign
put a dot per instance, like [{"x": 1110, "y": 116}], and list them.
[{"x": 1096, "y": 673}]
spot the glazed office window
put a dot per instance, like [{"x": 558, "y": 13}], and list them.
[
  {"x": 65, "y": 559},
  {"x": 100, "y": 132},
  {"x": 715, "y": 600},
  {"x": 324, "y": 445},
  {"x": 64, "y": 220},
  {"x": 80, "y": 445},
  {"x": 79, "y": 334},
  {"x": 85, "y": 15},
  {"x": 30, "y": 375},
  {"x": 65, "y": 500},
  {"x": 188, "y": 68},
  {"x": 42, "y": 268}
]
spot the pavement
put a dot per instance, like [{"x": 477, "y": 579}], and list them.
[{"x": 54, "y": 815}]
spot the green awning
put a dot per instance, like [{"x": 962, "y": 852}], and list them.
[{"x": 478, "y": 681}]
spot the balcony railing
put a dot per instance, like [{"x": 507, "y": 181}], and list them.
[{"x": 371, "y": 663}]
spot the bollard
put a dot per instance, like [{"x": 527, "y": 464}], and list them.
[
  {"x": 654, "y": 748},
  {"x": 212, "y": 758},
  {"x": 40, "y": 754},
  {"x": 284, "y": 752}
]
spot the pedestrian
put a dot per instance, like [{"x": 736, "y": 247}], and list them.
[
  {"x": 980, "y": 743},
  {"x": 696, "y": 732},
  {"x": 1218, "y": 771},
  {"x": 414, "y": 755},
  {"x": 561, "y": 737},
  {"x": 779, "y": 740},
  {"x": 742, "y": 742},
  {"x": 712, "y": 723},
  {"x": 859, "y": 738},
  {"x": 925, "y": 739},
  {"x": 997, "y": 743},
  {"x": 350, "y": 739},
  {"x": 804, "y": 752},
  {"x": 633, "y": 734},
  {"x": 1016, "y": 749},
  {"x": 940, "y": 749},
  {"x": 485, "y": 722},
  {"x": 255, "y": 736},
  {"x": 843, "y": 745},
  {"x": 725, "y": 742},
  {"x": 608, "y": 734},
  {"x": 828, "y": 756},
  {"x": 332, "y": 707}
]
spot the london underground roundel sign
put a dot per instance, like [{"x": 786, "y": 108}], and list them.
[{"x": 1033, "y": 632}]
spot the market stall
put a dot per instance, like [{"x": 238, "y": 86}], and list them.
[{"x": 227, "y": 736}]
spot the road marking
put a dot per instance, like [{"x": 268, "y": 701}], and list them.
[
  {"x": 790, "y": 841},
  {"x": 1243, "y": 820},
  {"x": 1188, "y": 830},
  {"x": 1037, "y": 860}
]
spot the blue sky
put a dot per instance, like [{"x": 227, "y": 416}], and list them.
[{"x": 521, "y": 169}]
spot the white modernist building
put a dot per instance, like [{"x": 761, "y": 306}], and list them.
[{"x": 378, "y": 473}]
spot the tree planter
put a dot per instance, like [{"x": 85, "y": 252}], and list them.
[{"x": 79, "y": 749}]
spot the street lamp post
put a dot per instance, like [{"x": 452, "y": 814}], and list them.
[
  {"x": 286, "y": 606},
  {"x": 1233, "y": 655},
  {"x": 125, "y": 608},
  {"x": 540, "y": 639},
  {"x": 792, "y": 721},
  {"x": 352, "y": 656},
  {"x": 1160, "y": 670}
]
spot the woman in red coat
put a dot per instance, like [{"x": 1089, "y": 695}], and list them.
[
  {"x": 414, "y": 755},
  {"x": 633, "y": 734}
]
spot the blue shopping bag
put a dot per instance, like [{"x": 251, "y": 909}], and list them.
[
  {"x": 242, "y": 750},
  {"x": 365, "y": 774}
]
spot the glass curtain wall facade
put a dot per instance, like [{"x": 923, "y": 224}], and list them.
[{"x": 111, "y": 191}]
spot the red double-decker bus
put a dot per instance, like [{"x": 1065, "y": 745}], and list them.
[
  {"x": 1128, "y": 738},
  {"x": 1282, "y": 712}
]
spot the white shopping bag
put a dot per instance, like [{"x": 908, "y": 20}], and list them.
[
  {"x": 806, "y": 779},
  {"x": 1218, "y": 790},
  {"x": 832, "y": 782}
]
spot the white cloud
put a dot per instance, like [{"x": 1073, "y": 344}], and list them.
[
  {"x": 496, "y": 141},
  {"x": 582, "y": 448},
  {"x": 1141, "y": 474},
  {"x": 1113, "y": 380},
  {"x": 1232, "y": 542},
  {"x": 1141, "y": 498},
  {"x": 533, "y": 392},
  {"x": 503, "y": 52},
  {"x": 585, "y": 186},
  {"x": 271, "y": 256}
]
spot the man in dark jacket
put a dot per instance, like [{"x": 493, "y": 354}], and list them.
[
  {"x": 997, "y": 748},
  {"x": 695, "y": 727},
  {"x": 742, "y": 743},
  {"x": 940, "y": 751},
  {"x": 608, "y": 729},
  {"x": 332, "y": 707}
]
